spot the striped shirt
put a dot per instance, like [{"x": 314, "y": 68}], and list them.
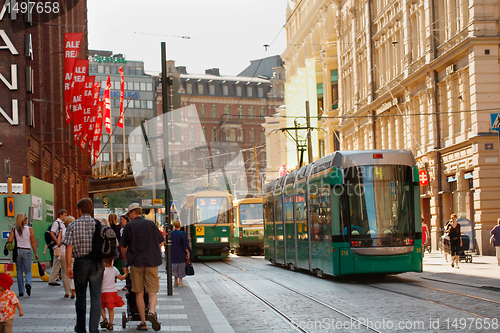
[{"x": 79, "y": 234}]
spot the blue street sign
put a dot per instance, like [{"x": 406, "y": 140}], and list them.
[
  {"x": 495, "y": 121},
  {"x": 5, "y": 234}
]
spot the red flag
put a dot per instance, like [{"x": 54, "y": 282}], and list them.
[
  {"x": 96, "y": 146},
  {"x": 71, "y": 49},
  {"x": 107, "y": 106},
  {"x": 88, "y": 104},
  {"x": 122, "y": 96},
  {"x": 78, "y": 87},
  {"x": 96, "y": 90}
]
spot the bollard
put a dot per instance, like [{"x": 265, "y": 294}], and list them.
[{"x": 12, "y": 271}]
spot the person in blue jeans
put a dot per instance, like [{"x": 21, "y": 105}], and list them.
[
  {"x": 85, "y": 271},
  {"x": 25, "y": 240}
]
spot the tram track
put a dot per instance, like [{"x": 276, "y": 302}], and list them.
[
  {"x": 275, "y": 308},
  {"x": 440, "y": 303}
]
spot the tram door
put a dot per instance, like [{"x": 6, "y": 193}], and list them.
[
  {"x": 280, "y": 231},
  {"x": 288, "y": 205}
]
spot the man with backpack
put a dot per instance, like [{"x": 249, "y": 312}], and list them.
[
  {"x": 57, "y": 227},
  {"x": 140, "y": 244},
  {"x": 87, "y": 269}
]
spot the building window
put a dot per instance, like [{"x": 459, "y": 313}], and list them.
[
  {"x": 132, "y": 70},
  {"x": 100, "y": 69},
  {"x": 241, "y": 135},
  {"x": 149, "y": 87},
  {"x": 262, "y": 136},
  {"x": 260, "y": 92},
  {"x": 214, "y": 134},
  {"x": 227, "y": 111},
  {"x": 238, "y": 91},
  {"x": 189, "y": 88},
  {"x": 129, "y": 85},
  {"x": 249, "y": 92},
  {"x": 144, "y": 104},
  {"x": 204, "y": 133},
  {"x": 251, "y": 113},
  {"x": 150, "y": 104},
  {"x": 213, "y": 112},
  {"x": 240, "y": 112},
  {"x": 191, "y": 134},
  {"x": 92, "y": 69},
  {"x": 232, "y": 134},
  {"x": 211, "y": 89},
  {"x": 200, "y": 89},
  {"x": 105, "y": 157},
  {"x": 138, "y": 157},
  {"x": 137, "y": 104},
  {"x": 143, "y": 86},
  {"x": 202, "y": 111},
  {"x": 251, "y": 135},
  {"x": 137, "y": 86},
  {"x": 262, "y": 112},
  {"x": 191, "y": 112},
  {"x": 225, "y": 90}
]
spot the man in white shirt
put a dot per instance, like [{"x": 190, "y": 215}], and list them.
[{"x": 57, "y": 227}]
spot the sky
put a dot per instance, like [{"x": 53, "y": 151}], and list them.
[{"x": 224, "y": 34}]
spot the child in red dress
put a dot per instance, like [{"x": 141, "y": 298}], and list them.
[
  {"x": 109, "y": 297},
  {"x": 8, "y": 304}
]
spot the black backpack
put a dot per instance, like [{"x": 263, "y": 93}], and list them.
[
  {"x": 104, "y": 242},
  {"x": 48, "y": 238}
]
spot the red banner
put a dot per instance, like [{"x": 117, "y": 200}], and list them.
[
  {"x": 96, "y": 145},
  {"x": 71, "y": 49},
  {"x": 107, "y": 106},
  {"x": 122, "y": 96},
  {"x": 78, "y": 88},
  {"x": 424, "y": 179},
  {"x": 96, "y": 89},
  {"x": 88, "y": 103}
]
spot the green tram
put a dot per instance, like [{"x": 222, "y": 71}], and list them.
[
  {"x": 208, "y": 213},
  {"x": 350, "y": 212},
  {"x": 248, "y": 237}
]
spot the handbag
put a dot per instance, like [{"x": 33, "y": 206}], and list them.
[
  {"x": 41, "y": 271},
  {"x": 10, "y": 246},
  {"x": 491, "y": 239},
  {"x": 189, "y": 268}
]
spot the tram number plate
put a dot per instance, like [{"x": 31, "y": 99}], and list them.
[
  {"x": 200, "y": 231},
  {"x": 344, "y": 253}
]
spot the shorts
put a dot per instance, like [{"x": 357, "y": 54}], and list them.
[
  {"x": 6, "y": 326},
  {"x": 145, "y": 278}
]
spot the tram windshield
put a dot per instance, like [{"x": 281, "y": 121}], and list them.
[
  {"x": 251, "y": 214},
  {"x": 212, "y": 210},
  {"x": 379, "y": 201}
]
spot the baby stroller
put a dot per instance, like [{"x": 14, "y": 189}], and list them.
[
  {"x": 132, "y": 314},
  {"x": 464, "y": 249}
]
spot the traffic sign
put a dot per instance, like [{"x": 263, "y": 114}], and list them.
[
  {"x": 157, "y": 201},
  {"x": 495, "y": 121},
  {"x": 173, "y": 206},
  {"x": 5, "y": 234},
  {"x": 10, "y": 207}
]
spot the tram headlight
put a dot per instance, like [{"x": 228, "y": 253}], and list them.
[
  {"x": 355, "y": 243},
  {"x": 200, "y": 239},
  {"x": 224, "y": 239},
  {"x": 408, "y": 241}
]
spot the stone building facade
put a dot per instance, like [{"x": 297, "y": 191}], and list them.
[
  {"x": 421, "y": 75},
  {"x": 230, "y": 109}
]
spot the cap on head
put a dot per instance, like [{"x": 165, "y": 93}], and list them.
[
  {"x": 6, "y": 281},
  {"x": 133, "y": 206}
]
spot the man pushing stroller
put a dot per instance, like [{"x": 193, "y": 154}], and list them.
[{"x": 140, "y": 243}]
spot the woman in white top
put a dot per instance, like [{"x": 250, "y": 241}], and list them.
[{"x": 25, "y": 240}]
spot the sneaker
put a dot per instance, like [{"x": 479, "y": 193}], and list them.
[
  {"x": 54, "y": 284},
  {"x": 153, "y": 319},
  {"x": 21, "y": 294},
  {"x": 28, "y": 289},
  {"x": 142, "y": 327}
]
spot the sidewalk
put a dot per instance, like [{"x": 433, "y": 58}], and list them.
[
  {"x": 187, "y": 310},
  {"x": 482, "y": 272}
]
